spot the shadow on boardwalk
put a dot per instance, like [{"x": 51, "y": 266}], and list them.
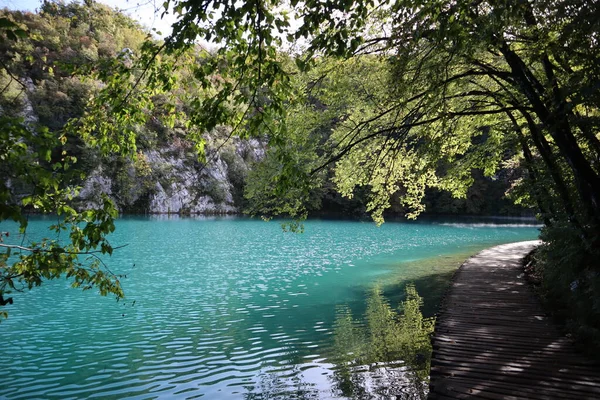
[{"x": 493, "y": 340}]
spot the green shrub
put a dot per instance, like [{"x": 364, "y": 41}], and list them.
[
  {"x": 236, "y": 174},
  {"x": 215, "y": 190}
]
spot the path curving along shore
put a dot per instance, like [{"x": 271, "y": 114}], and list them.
[{"x": 492, "y": 339}]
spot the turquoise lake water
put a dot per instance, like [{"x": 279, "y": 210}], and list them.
[{"x": 225, "y": 308}]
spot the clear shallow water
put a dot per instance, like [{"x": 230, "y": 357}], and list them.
[{"x": 225, "y": 308}]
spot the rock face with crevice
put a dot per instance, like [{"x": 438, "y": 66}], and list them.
[{"x": 171, "y": 180}]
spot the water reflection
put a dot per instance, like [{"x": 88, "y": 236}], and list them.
[
  {"x": 388, "y": 355},
  {"x": 289, "y": 386},
  {"x": 383, "y": 354}
]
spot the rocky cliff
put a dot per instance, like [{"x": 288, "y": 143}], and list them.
[{"x": 170, "y": 179}]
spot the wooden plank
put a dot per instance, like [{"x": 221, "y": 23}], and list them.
[
  {"x": 455, "y": 336},
  {"x": 525, "y": 362},
  {"x": 543, "y": 327},
  {"x": 534, "y": 372},
  {"x": 504, "y": 314},
  {"x": 505, "y": 335},
  {"x": 497, "y": 320},
  {"x": 491, "y": 332},
  {"x": 528, "y": 392},
  {"x": 461, "y": 392},
  {"x": 503, "y": 349},
  {"x": 477, "y": 310},
  {"x": 549, "y": 382},
  {"x": 535, "y": 358},
  {"x": 509, "y": 349},
  {"x": 438, "y": 396},
  {"x": 475, "y": 329},
  {"x": 456, "y": 390}
]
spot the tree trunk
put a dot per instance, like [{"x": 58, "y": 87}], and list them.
[
  {"x": 542, "y": 196},
  {"x": 586, "y": 179}
]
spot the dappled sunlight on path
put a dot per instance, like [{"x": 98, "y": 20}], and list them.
[{"x": 493, "y": 340}]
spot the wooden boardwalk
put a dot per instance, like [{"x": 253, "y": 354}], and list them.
[{"x": 493, "y": 341}]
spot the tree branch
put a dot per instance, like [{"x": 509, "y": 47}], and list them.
[{"x": 39, "y": 250}]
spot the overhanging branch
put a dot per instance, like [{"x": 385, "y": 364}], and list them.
[{"x": 61, "y": 251}]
